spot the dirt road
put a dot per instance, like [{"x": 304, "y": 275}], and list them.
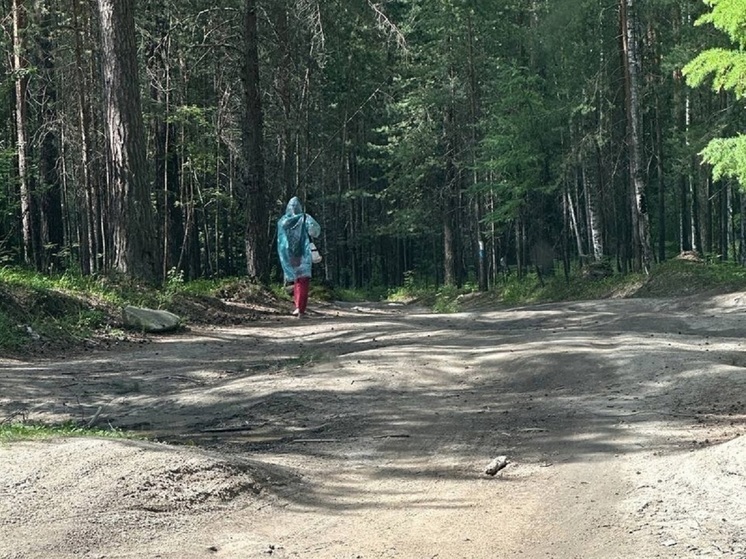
[{"x": 364, "y": 432}]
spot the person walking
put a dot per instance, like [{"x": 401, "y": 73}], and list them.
[{"x": 294, "y": 249}]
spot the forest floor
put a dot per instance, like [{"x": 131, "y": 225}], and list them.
[{"x": 364, "y": 432}]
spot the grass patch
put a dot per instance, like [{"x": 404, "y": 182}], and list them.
[
  {"x": 12, "y": 335},
  {"x": 308, "y": 358},
  {"x": 419, "y": 289},
  {"x": 12, "y": 432},
  {"x": 48, "y": 314},
  {"x": 446, "y": 299},
  {"x": 350, "y": 295},
  {"x": 529, "y": 290},
  {"x": 35, "y": 310},
  {"x": 673, "y": 278},
  {"x": 57, "y": 312},
  {"x": 685, "y": 277}
]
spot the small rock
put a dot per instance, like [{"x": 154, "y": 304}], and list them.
[{"x": 496, "y": 465}]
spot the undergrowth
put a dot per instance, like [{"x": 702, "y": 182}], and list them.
[
  {"x": 59, "y": 311},
  {"x": 54, "y": 312},
  {"x": 12, "y": 432},
  {"x": 673, "y": 278}
]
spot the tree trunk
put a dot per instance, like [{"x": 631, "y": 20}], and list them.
[
  {"x": 450, "y": 190},
  {"x": 50, "y": 195},
  {"x": 724, "y": 221},
  {"x": 86, "y": 227},
  {"x": 21, "y": 85},
  {"x": 661, "y": 182},
  {"x": 573, "y": 221},
  {"x": 730, "y": 217},
  {"x": 634, "y": 118},
  {"x": 742, "y": 231},
  {"x": 134, "y": 242},
  {"x": 695, "y": 209},
  {"x": 593, "y": 211},
  {"x": 257, "y": 257}
]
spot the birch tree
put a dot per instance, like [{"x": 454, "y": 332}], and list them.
[{"x": 641, "y": 221}]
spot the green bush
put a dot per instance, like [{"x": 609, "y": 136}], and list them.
[{"x": 12, "y": 335}]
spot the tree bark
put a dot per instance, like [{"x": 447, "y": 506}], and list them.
[
  {"x": 257, "y": 257},
  {"x": 136, "y": 254},
  {"x": 593, "y": 210},
  {"x": 634, "y": 133},
  {"x": 19, "y": 15},
  {"x": 450, "y": 188},
  {"x": 661, "y": 182},
  {"x": 86, "y": 227},
  {"x": 742, "y": 232},
  {"x": 50, "y": 193}
]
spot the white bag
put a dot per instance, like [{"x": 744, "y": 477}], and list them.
[{"x": 315, "y": 255}]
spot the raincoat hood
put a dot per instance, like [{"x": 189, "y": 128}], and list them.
[{"x": 294, "y": 207}]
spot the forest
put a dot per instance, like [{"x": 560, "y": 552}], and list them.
[{"x": 443, "y": 142}]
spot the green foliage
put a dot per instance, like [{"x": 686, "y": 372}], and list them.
[
  {"x": 728, "y": 16},
  {"x": 728, "y": 68},
  {"x": 518, "y": 148},
  {"x": 189, "y": 114},
  {"x": 174, "y": 281},
  {"x": 672, "y": 278},
  {"x": 371, "y": 293},
  {"x": 13, "y": 432},
  {"x": 446, "y": 299},
  {"x": 280, "y": 291},
  {"x": 308, "y": 358},
  {"x": 69, "y": 281},
  {"x": 681, "y": 277},
  {"x": 20, "y": 276},
  {"x": 34, "y": 307},
  {"x": 176, "y": 285},
  {"x": 389, "y": 117},
  {"x": 520, "y": 290},
  {"x": 529, "y": 290},
  {"x": 320, "y": 291},
  {"x": 65, "y": 309},
  {"x": 728, "y": 158},
  {"x": 12, "y": 335},
  {"x": 415, "y": 287}
]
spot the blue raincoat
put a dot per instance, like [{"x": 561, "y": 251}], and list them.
[{"x": 293, "y": 244}]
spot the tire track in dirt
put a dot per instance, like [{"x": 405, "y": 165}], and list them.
[{"x": 376, "y": 426}]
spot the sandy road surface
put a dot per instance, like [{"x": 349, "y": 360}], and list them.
[{"x": 364, "y": 433}]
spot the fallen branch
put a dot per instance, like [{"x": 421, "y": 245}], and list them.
[
  {"x": 12, "y": 415},
  {"x": 95, "y": 416},
  {"x": 227, "y": 429}
]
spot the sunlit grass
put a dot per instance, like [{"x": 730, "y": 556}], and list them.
[
  {"x": 13, "y": 432},
  {"x": 70, "y": 307},
  {"x": 670, "y": 279}
]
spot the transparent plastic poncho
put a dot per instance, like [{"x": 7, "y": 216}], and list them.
[{"x": 293, "y": 244}]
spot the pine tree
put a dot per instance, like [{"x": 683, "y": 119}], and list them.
[{"x": 727, "y": 67}]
